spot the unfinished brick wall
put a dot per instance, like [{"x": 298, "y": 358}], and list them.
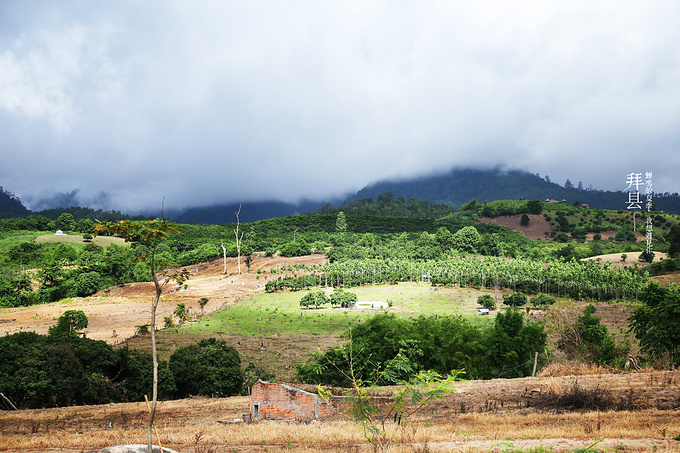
[{"x": 282, "y": 402}]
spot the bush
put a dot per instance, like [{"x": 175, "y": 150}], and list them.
[
  {"x": 88, "y": 283},
  {"x": 209, "y": 368},
  {"x": 515, "y": 299},
  {"x": 297, "y": 248},
  {"x": 542, "y": 300},
  {"x": 342, "y": 298},
  {"x": 316, "y": 298},
  {"x": 486, "y": 301}
]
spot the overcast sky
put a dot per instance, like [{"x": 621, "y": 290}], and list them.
[{"x": 220, "y": 101}]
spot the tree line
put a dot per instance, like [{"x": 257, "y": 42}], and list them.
[
  {"x": 390, "y": 350},
  {"x": 63, "y": 368}
]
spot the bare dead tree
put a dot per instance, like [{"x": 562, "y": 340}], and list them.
[
  {"x": 238, "y": 239},
  {"x": 224, "y": 253}
]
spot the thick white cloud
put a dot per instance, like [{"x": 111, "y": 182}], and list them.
[{"x": 203, "y": 102}]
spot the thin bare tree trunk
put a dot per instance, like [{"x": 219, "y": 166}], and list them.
[
  {"x": 154, "y": 398},
  {"x": 238, "y": 239},
  {"x": 224, "y": 253}
]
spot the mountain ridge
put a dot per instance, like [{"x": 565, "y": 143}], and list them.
[{"x": 453, "y": 188}]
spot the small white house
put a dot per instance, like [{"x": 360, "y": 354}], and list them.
[{"x": 59, "y": 233}]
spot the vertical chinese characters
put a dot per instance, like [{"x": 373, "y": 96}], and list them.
[
  {"x": 635, "y": 202},
  {"x": 648, "y": 205}
]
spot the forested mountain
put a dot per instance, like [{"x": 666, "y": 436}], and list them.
[
  {"x": 428, "y": 196},
  {"x": 388, "y": 205},
  {"x": 10, "y": 205},
  {"x": 250, "y": 212},
  {"x": 459, "y": 186}
]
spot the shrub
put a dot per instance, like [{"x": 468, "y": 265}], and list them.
[
  {"x": 342, "y": 298},
  {"x": 88, "y": 283},
  {"x": 315, "y": 298},
  {"x": 486, "y": 301},
  {"x": 542, "y": 300},
  {"x": 209, "y": 368},
  {"x": 515, "y": 299}
]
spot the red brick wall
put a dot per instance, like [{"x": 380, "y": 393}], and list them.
[{"x": 281, "y": 402}]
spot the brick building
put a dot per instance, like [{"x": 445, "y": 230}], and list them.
[{"x": 281, "y": 402}]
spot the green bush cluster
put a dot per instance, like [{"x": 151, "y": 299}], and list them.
[
  {"x": 64, "y": 369},
  {"x": 404, "y": 347}
]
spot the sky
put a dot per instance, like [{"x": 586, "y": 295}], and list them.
[{"x": 204, "y": 102}]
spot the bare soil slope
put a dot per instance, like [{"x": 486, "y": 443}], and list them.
[
  {"x": 536, "y": 229},
  {"x": 120, "y": 308}
]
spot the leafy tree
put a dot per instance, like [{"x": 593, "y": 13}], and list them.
[
  {"x": 342, "y": 297},
  {"x": 341, "y": 224},
  {"x": 467, "y": 239},
  {"x": 69, "y": 323},
  {"x": 16, "y": 290},
  {"x": 202, "y": 302},
  {"x": 65, "y": 222},
  {"x": 315, "y": 298},
  {"x": 596, "y": 344},
  {"x": 66, "y": 253},
  {"x": 181, "y": 312},
  {"x": 647, "y": 256},
  {"x": 561, "y": 237},
  {"x": 149, "y": 235},
  {"x": 297, "y": 248},
  {"x": 562, "y": 224},
  {"x": 135, "y": 373},
  {"x": 449, "y": 343},
  {"x": 486, "y": 301},
  {"x": 209, "y": 368},
  {"x": 524, "y": 221},
  {"x": 673, "y": 240},
  {"x": 512, "y": 345},
  {"x": 444, "y": 239},
  {"x": 26, "y": 253},
  {"x": 542, "y": 300},
  {"x": 534, "y": 207},
  {"x": 57, "y": 370},
  {"x": 492, "y": 245},
  {"x": 515, "y": 299},
  {"x": 88, "y": 283},
  {"x": 84, "y": 226},
  {"x": 656, "y": 323}
]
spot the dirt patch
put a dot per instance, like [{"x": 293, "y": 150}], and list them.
[
  {"x": 121, "y": 308},
  {"x": 632, "y": 259},
  {"x": 536, "y": 230}
]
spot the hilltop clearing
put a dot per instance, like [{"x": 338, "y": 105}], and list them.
[
  {"x": 632, "y": 259},
  {"x": 535, "y": 230}
]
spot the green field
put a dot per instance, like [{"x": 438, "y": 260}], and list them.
[
  {"x": 280, "y": 313},
  {"x": 104, "y": 241}
]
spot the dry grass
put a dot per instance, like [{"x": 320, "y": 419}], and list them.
[
  {"x": 558, "y": 369},
  {"x": 192, "y": 426}
]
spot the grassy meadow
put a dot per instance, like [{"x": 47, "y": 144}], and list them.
[{"x": 280, "y": 313}]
